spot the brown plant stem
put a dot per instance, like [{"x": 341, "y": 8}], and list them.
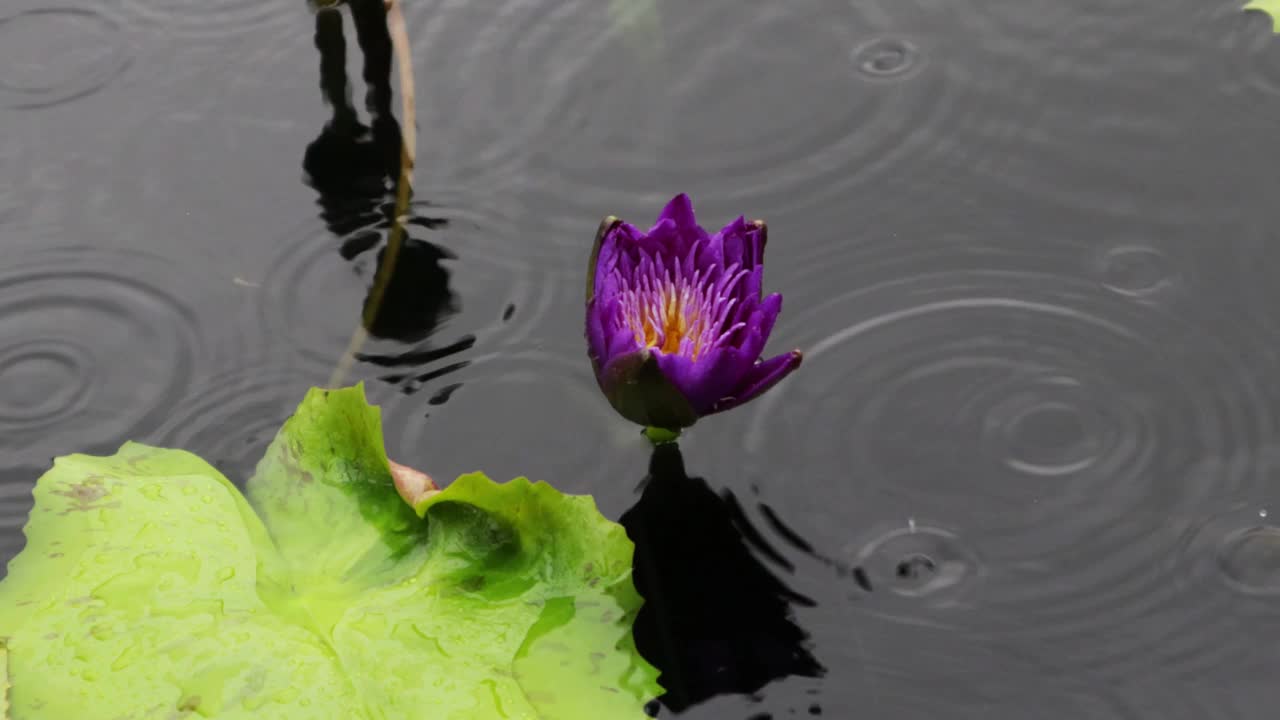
[{"x": 404, "y": 188}]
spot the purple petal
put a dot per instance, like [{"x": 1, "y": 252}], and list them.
[
  {"x": 769, "y": 310},
  {"x": 762, "y": 376},
  {"x": 756, "y": 238},
  {"x": 678, "y": 228},
  {"x": 751, "y": 340},
  {"x": 606, "y": 263},
  {"x": 663, "y": 239},
  {"x": 703, "y": 382},
  {"x": 601, "y": 323},
  {"x": 680, "y": 212},
  {"x": 608, "y": 285},
  {"x": 734, "y": 242},
  {"x": 616, "y": 249},
  {"x": 621, "y": 341},
  {"x": 689, "y": 260},
  {"x": 711, "y": 252},
  {"x": 747, "y": 299},
  {"x": 752, "y": 286},
  {"x": 759, "y": 323},
  {"x": 601, "y": 257},
  {"x": 597, "y": 342}
]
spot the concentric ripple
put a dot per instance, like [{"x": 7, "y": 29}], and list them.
[
  {"x": 95, "y": 348},
  {"x": 1050, "y": 693},
  {"x": 1227, "y": 566},
  {"x": 512, "y": 66},
  {"x": 230, "y": 418},
  {"x": 916, "y": 561},
  {"x": 43, "y": 380},
  {"x": 1139, "y": 271},
  {"x": 1060, "y": 429},
  {"x": 546, "y": 411},
  {"x": 887, "y": 57},
  {"x": 213, "y": 19},
  {"x": 313, "y": 298},
  {"x": 591, "y": 113},
  {"x": 1250, "y": 559},
  {"x": 55, "y": 54},
  {"x": 741, "y": 130},
  {"x": 1076, "y": 110}
]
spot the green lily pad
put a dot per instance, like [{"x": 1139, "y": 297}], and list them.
[{"x": 150, "y": 587}]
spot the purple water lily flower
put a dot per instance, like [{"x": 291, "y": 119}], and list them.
[{"x": 677, "y": 319}]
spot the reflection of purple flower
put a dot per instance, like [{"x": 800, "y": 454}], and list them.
[{"x": 676, "y": 318}]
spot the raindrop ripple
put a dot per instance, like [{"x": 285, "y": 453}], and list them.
[
  {"x": 1054, "y": 78},
  {"x": 586, "y": 114},
  {"x": 96, "y": 347},
  {"x": 1053, "y": 426},
  {"x": 1228, "y": 566},
  {"x": 227, "y": 20},
  {"x": 53, "y": 55}
]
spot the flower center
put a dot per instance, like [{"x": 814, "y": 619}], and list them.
[{"x": 672, "y": 313}]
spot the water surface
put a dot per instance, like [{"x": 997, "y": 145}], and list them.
[{"x": 1029, "y": 468}]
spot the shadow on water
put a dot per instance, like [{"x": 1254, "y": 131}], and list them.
[
  {"x": 716, "y": 620},
  {"x": 355, "y": 168}
]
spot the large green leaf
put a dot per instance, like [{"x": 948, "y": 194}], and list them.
[{"x": 151, "y": 588}]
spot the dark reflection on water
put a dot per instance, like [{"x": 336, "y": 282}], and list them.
[
  {"x": 716, "y": 620},
  {"x": 356, "y": 170},
  {"x": 1029, "y": 468}
]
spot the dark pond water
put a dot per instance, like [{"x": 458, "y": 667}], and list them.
[{"x": 1030, "y": 466}]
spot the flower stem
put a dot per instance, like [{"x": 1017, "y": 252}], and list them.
[{"x": 659, "y": 436}]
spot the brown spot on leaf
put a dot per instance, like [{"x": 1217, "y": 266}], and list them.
[
  {"x": 87, "y": 508},
  {"x": 135, "y": 461},
  {"x": 189, "y": 703},
  {"x": 84, "y": 494},
  {"x": 289, "y": 459}
]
